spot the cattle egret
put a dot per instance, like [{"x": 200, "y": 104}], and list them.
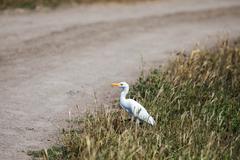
[{"x": 131, "y": 106}]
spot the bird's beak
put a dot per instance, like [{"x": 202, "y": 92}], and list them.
[{"x": 115, "y": 84}]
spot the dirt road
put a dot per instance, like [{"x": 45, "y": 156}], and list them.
[{"x": 52, "y": 60}]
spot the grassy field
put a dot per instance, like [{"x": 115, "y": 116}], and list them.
[
  {"x": 32, "y": 4},
  {"x": 195, "y": 101}
]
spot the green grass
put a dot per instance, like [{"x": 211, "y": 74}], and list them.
[
  {"x": 32, "y": 4},
  {"x": 195, "y": 101}
]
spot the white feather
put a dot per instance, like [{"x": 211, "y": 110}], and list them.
[{"x": 133, "y": 107}]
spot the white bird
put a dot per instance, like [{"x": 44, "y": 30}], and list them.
[{"x": 131, "y": 106}]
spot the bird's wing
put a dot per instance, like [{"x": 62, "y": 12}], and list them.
[
  {"x": 126, "y": 109},
  {"x": 140, "y": 112}
]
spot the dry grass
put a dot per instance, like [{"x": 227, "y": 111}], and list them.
[
  {"x": 195, "y": 102},
  {"x": 32, "y": 4}
]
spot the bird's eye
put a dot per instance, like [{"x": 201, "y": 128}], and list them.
[{"x": 121, "y": 84}]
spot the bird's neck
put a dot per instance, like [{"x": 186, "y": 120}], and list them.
[{"x": 124, "y": 94}]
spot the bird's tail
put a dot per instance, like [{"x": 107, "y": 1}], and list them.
[{"x": 151, "y": 121}]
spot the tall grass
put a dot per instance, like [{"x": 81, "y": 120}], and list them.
[
  {"x": 195, "y": 101},
  {"x": 32, "y": 4}
]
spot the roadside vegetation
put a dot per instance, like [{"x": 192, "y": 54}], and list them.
[
  {"x": 32, "y": 4},
  {"x": 195, "y": 100}
]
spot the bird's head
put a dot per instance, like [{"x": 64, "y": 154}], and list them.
[{"x": 122, "y": 85}]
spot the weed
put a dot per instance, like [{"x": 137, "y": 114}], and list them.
[
  {"x": 32, "y": 4},
  {"x": 195, "y": 102}
]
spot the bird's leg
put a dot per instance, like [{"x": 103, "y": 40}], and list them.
[
  {"x": 132, "y": 118},
  {"x": 129, "y": 117},
  {"x": 137, "y": 122}
]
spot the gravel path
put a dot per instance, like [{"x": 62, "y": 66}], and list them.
[{"x": 53, "y": 60}]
